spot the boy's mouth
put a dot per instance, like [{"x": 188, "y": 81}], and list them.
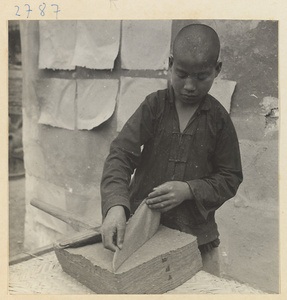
[{"x": 189, "y": 96}]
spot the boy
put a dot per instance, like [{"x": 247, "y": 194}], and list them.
[{"x": 190, "y": 163}]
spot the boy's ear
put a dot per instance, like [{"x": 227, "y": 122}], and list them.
[
  {"x": 170, "y": 61},
  {"x": 218, "y": 67}
]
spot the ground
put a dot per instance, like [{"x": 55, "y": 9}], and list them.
[
  {"x": 16, "y": 215},
  {"x": 16, "y": 231}
]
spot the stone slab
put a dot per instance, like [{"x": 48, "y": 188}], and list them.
[{"x": 163, "y": 263}]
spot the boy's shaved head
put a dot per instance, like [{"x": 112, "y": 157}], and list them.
[
  {"x": 198, "y": 41},
  {"x": 194, "y": 64}
]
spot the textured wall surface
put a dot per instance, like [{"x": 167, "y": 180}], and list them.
[
  {"x": 64, "y": 167},
  {"x": 248, "y": 223}
]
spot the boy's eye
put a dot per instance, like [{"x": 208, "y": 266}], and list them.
[
  {"x": 199, "y": 76},
  {"x": 202, "y": 76},
  {"x": 181, "y": 74}
]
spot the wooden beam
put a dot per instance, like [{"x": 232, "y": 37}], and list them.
[
  {"x": 76, "y": 222},
  {"x": 24, "y": 256},
  {"x": 80, "y": 239},
  {"x": 86, "y": 237}
]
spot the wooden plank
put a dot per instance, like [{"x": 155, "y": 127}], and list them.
[
  {"x": 24, "y": 256},
  {"x": 75, "y": 221},
  {"x": 86, "y": 237},
  {"x": 164, "y": 262},
  {"x": 81, "y": 239}
]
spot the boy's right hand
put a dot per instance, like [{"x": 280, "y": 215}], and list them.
[{"x": 113, "y": 228}]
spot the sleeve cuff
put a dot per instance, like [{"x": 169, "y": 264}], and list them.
[
  {"x": 192, "y": 185},
  {"x": 114, "y": 202}
]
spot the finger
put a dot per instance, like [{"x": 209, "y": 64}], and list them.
[
  {"x": 163, "y": 185},
  {"x": 158, "y": 199},
  {"x": 164, "y": 209},
  {"x": 108, "y": 240},
  {"x": 120, "y": 236},
  {"x": 167, "y": 208},
  {"x": 158, "y": 191},
  {"x": 161, "y": 205}
]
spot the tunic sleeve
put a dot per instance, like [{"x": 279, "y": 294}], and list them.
[
  {"x": 124, "y": 156},
  {"x": 211, "y": 192}
]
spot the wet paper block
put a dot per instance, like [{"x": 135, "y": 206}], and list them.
[
  {"x": 57, "y": 102},
  {"x": 133, "y": 91},
  {"x": 164, "y": 262},
  {"x": 97, "y": 44},
  {"x": 57, "y": 44},
  {"x": 140, "y": 228},
  {"x": 145, "y": 44},
  {"x": 95, "y": 102},
  {"x": 222, "y": 90}
]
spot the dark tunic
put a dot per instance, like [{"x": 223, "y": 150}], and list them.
[{"x": 205, "y": 155}]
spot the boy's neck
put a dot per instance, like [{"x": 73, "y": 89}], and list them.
[
  {"x": 185, "y": 112},
  {"x": 187, "y": 106}
]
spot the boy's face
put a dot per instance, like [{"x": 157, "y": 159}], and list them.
[{"x": 192, "y": 77}]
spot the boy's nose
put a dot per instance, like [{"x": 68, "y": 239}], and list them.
[{"x": 189, "y": 84}]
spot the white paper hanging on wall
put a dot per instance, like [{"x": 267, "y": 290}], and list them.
[
  {"x": 97, "y": 44},
  {"x": 57, "y": 102},
  {"x": 57, "y": 44},
  {"x": 133, "y": 91},
  {"x": 96, "y": 101},
  {"x": 222, "y": 90},
  {"x": 145, "y": 44}
]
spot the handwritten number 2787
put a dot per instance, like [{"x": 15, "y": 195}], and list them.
[{"x": 42, "y": 8}]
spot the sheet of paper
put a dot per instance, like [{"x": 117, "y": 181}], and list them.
[
  {"x": 145, "y": 44},
  {"x": 132, "y": 93},
  {"x": 95, "y": 102},
  {"x": 57, "y": 102},
  {"x": 97, "y": 44},
  {"x": 140, "y": 228},
  {"x": 223, "y": 90},
  {"x": 57, "y": 44}
]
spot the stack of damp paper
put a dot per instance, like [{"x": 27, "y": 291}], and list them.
[{"x": 163, "y": 263}]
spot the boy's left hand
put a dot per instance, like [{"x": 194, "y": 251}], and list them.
[{"x": 168, "y": 195}]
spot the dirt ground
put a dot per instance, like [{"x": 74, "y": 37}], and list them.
[{"x": 16, "y": 215}]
